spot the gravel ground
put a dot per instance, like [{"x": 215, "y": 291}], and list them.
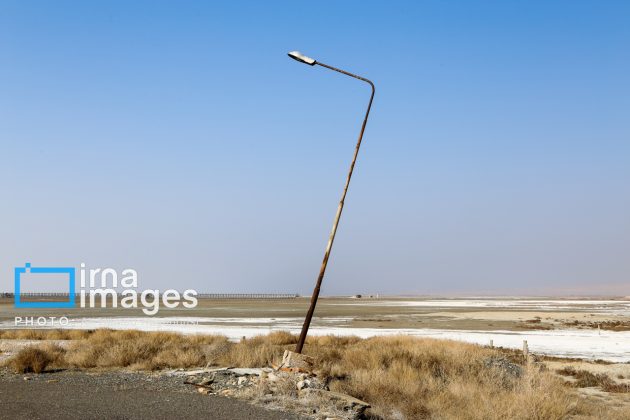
[{"x": 116, "y": 395}]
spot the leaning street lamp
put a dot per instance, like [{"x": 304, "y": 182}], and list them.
[{"x": 309, "y": 315}]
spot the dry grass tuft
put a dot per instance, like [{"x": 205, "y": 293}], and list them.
[
  {"x": 36, "y": 359},
  {"x": 585, "y": 379},
  {"x": 425, "y": 378},
  {"x": 257, "y": 351},
  {"x": 141, "y": 350}
]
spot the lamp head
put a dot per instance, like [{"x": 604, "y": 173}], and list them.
[{"x": 296, "y": 55}]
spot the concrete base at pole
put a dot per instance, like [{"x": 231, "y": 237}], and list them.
[{"x": 292, "y": 360}]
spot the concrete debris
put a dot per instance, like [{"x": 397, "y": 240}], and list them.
[
  {"x": 219, "y": 380},
  {"x": 247, "y": 371},
  {"x": 297, "y": 361},
  {"x": 198, "y": 371},
  {"x": 276, "y": 384},
  {"x": 273, "y": 377}
]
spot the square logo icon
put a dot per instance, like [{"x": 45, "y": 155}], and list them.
[{"x": 21, "y": 273}]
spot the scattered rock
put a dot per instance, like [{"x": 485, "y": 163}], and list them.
[
  {"x": 310, "y": 383},
  {"x": 504, "y": 366},
  {"x": 246, "y": 371},
  {"x": 505, "y": 371},
  {"x": 278, "y": 385},
  {"x": 345, "y": 402},
  {"x": 273, "y": 377},
  {"x": 202, "y": 390},
  {"x": 199, "y": 371},
  {"x": 300, "y": 362},
  {"x": 207, "y": 381}
]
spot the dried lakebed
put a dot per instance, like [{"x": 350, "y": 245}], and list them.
[{"x": 555, "y": 327}]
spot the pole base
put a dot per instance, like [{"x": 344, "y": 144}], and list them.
[{"x": 299, "y": 361}]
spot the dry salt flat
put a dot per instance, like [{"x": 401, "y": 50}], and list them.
[
  {"x": 587, "y": 344},
  {"x": 610, "y": 307},
  {"x": 591, "y": 344}
]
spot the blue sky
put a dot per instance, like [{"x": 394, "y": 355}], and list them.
[{"x": 177, "y": 138}]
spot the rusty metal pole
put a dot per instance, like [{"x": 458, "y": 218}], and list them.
[{"x": 309, "y": 315}]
